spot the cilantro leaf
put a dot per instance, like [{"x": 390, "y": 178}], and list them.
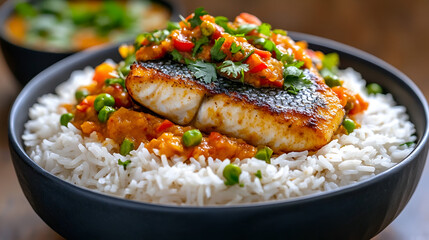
[
  {"x": 248, "y": 55},
  {"x": 216, "y": 53},
  {"x": 235, "y": 48},
  {"x": 203, "y": 71},
  {"x": 408, "y": 144},
  {"x": 245, "y": 29},
  {"x": 124, "y": 164},
  {"x": 223, "y": 22},
  {"x": 233, "y": 69},
  {"x": 172, "y": 26},
  {"x": 265, "y": 29},
  {"x": 196, "y": 20},
  {"x": 176, "y": 55},
  {"x": 198, "y": 44},
  {"x": 294, "y": 80},
  {"x": 258, "y": 174}
]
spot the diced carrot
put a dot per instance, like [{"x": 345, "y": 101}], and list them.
[
  {"x": 103, "y": 72},
  {"x": 341, "y": 94},
  {"x": 208, "y": 18},
  {"x": 88, "y": 127},
  {"x": 263, "y": 54}
]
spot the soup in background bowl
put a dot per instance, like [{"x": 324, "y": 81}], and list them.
[{"x": 35, "y": 35}]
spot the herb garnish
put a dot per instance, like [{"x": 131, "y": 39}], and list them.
[
  {"x": 216, "y": 53},
  {"x": 198, "y": 44},
  {"x": 258, "y": 174},
  {"x": 204, "y": 71},
  {"x": 329, "y": 70},
  {"x": 265, "y": 29},
  {"x": 234, "y": 68},
  {"x": 196, "y": 20},
  {"x": 236, "y": 48},
  {"x": 294, "y": 79},
  {"x": 408, "y": 144},
  {"x": 176, "y": 55},
  {"x": 124, "y": 164},
  {"x": 171, "y": 26}
]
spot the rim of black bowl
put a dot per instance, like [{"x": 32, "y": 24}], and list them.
[
  {"x": 6, "y": 9},
  {"x": 319, "y": 41}
]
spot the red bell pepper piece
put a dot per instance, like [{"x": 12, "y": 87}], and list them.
[{"x": 164, "y": 125}]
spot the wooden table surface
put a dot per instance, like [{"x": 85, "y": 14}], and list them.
[{"x": 396, "y": 31}]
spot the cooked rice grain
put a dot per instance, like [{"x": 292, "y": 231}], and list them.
[{"x": 369, "y": 150}]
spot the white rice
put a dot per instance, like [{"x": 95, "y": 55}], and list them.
[{"x": 369, "y": 150}]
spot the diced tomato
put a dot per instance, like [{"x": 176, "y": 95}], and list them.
[
  {"x": 86, "y": 103},
  {"x": 218, "y": 32},
  {"x": 214, "y": 136},
  {"x": 182, "y": 44},
  {"x": 360, "y": 105},
  {"x": 103, "y": 72},
  {"x": 263, "y": 54},
  {"x": 164, "y": 125},
  {"x": 248, "y": 18},
  {"x": 256, "y": 64},
  {"x": 342, "y": 94}
]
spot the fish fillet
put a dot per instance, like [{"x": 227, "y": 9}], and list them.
[{"x": 260, "y": 116}]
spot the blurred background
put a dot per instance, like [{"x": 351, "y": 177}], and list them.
[{"x": 395, "y": 31}]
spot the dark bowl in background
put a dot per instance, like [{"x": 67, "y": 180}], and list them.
[
  {"x": 357, "y": 211},
  {"x": 25, "y": 63}
]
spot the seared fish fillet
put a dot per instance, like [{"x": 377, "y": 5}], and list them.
[{"x": 260, "y": 116}]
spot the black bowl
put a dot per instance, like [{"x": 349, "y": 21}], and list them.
[
  {"x": 25, "y": 63},
  {"x": 357, "y": 211}
]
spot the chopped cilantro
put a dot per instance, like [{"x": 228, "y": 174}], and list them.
[
  {"x": 408, "y": 144},
  {"x": 153, "y": 37},
  {"x": 235, "y": 48},
  {"x": 258, "y": 174},
  {"x": 295, "y": 80},
  {"x": 196, "y": 20},
  {"x": 172, "y": 26},
  {"x": 280, "y": 31},
  {"x": 124, "y": 164},
  {"x": 216, "y": 53},
  {"x": 247, "y": 56},
  {"x": 198, "y": 44},
  {"x": 223, "y": 22},
  {"x": 204, "y": 71},
  {"x": 111, "y": 81},
  {"x": 245, "y": 29},
  {"x": 176, "y": 55},
  {"x": 233, "y": 69},
  {"x": 265, "y": 29}
]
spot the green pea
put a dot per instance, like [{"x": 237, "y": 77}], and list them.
[
  {"x": 264, "y": 154},
  {"x": 66, "y": 118},
  {"x": 126, "y": 147},
  {"x": 231, "y": 173},
  {"x": 192, "y": 138},
  {"x": 105, "y": 113},
  {"x": 81, "y": 94},
  {"x": 349, "y": 125},
  {"x": 374, "y": 88},
  {"x": 103, "y": 99}
]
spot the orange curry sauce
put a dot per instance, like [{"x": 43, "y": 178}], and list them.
[
  {"x": 129, "y": 121},
  {"x": 144, "y": 128}
]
